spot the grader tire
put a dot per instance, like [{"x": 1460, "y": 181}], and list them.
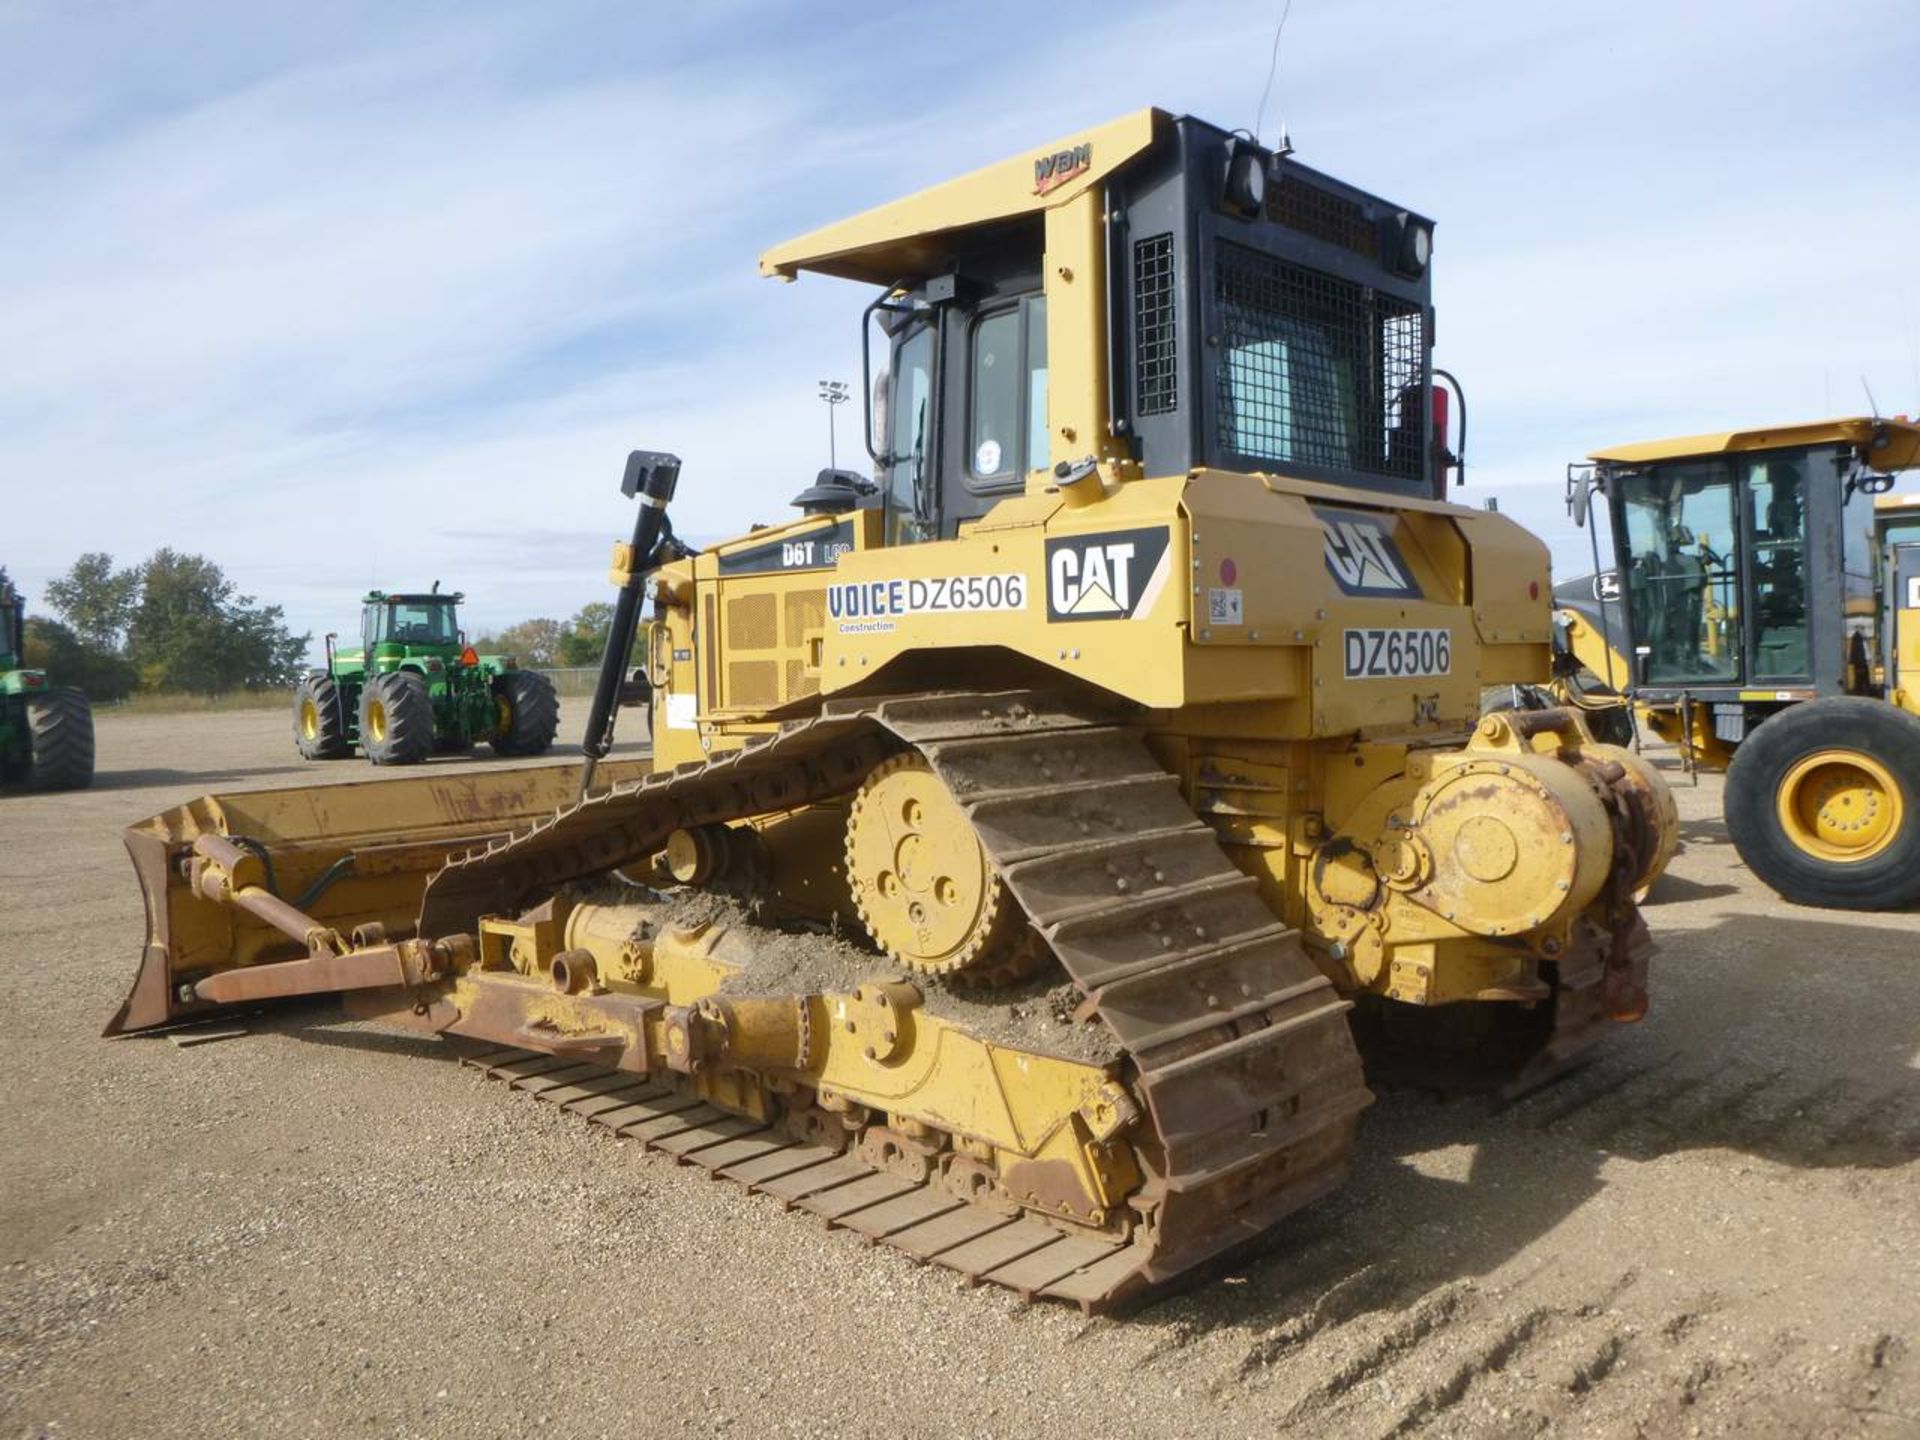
[
  {"x": 1823, "y": 804},
  {"x": 60, "y": 731},
  {"x": 529, "y": 713},
  {"x": 319, "y": 729},
  {"x": 396, "y": 719}
]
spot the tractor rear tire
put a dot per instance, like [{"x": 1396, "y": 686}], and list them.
[
  {"x": 60, "y": 733},
  {"x": 529, "y": 713},
  {"x": 1823, "y": 803},
  {"x": 396, "y": 719},
  {"x": 319, "y": 724}
]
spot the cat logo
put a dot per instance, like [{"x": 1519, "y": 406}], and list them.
[
  {"x": 1111, "y": 576},
  {"x": 1362, "y": 557}
]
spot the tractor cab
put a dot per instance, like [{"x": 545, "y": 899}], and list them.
[{"x": 412, "y": 622}]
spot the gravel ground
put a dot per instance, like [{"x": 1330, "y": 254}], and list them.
[{"x": 320, "y": 1228}]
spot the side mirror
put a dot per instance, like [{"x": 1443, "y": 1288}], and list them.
[{"x": 1579, "y": 498}]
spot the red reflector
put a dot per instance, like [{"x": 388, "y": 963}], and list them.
[
  {"x": 1533, "y": 589},
  {"x": 1439, "y": 418},
  {"x": 1229, "y": 572},
  {"x": 469, "y": 656}
]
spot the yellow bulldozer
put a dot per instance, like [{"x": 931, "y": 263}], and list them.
[
  {"x": 1763, "y": 616},
  {"x": 1035, "y": 833}
]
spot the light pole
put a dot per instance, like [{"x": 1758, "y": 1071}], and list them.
[{"x": 836, "y": 394}]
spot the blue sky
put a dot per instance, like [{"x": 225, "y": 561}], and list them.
[{"x": 354, "y": 294}]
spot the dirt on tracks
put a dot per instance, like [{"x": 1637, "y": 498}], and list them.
[{"x": 322, "y": 1228}]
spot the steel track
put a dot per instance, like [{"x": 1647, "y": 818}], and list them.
[{"x": 1238, "y": 1048}]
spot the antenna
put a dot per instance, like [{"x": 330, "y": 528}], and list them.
[
  {"x": 1873, "y": 407},
  {"x": 1273, "y": 64}
]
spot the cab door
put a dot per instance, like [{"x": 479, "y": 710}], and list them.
[{"x": 1903, "y": 607}]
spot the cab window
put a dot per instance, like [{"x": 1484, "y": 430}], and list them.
[
  {"x": 1007, "y": 394},
  {"x": 1682, "y": 581},
  {"x": 910, "y": 423},
  {"x": 414, "y": 624},
  {"x": 1777, "y": 503}
]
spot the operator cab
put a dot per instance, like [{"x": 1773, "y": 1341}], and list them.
[
  {"x": 1686, "y": 525},
  {"x": 1246, "y": 313},
  {"x": 419, "y": 620},
  {"x": 1734, "y": 552}
]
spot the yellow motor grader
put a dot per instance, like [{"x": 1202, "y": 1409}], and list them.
[
  {"x": 1032, "y": 829},
  {"x": 1764, "y": 618}
]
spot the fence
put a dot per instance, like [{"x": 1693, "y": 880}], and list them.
[{"x": 571, "y": 682}]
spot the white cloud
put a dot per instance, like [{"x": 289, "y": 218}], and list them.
[{"x": 339, "y": 299}]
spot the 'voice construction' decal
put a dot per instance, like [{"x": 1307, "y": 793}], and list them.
[{"x": 867, "y": 607}]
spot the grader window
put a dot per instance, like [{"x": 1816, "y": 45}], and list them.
[
  {"x": 1317, "y": 370},
  {"x": 1777, "y": 507},
  {"x": 1683, "y": 587}
]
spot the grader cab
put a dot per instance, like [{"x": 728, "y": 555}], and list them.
[
  {"x": 1128, "y": 727},
  {"x": 1767, "y": 622}
]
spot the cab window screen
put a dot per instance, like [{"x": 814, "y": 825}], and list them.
[{"x": 1317, "y": 370}]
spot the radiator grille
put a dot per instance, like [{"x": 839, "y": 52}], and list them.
[
  {"x": 753, "y": 682},
  {"x": 1317, "y": 370},
  {"x": 1156, "y": 371},
  {"x": 752, "y": 622},
  {"x": 806, "y": 610}
]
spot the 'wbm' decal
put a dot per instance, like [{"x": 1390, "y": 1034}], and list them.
[{"x": 1050, "y": 172}]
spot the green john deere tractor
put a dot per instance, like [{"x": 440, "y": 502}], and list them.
[
  {"x": 46, "y": 731},
  {"x": 415, "y": 687}
]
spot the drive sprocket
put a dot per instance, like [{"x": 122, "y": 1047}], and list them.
[{"x": 923, "y": 886}]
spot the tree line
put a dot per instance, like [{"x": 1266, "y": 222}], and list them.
[
  {"x": 541, "y": 642},
  {"x": 173, "y": 623}
]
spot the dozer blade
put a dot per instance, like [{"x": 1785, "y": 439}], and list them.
[{"x": 355, "y": 857}]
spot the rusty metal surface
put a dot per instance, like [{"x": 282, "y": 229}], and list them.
[{"x": 317, "y": 975}]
